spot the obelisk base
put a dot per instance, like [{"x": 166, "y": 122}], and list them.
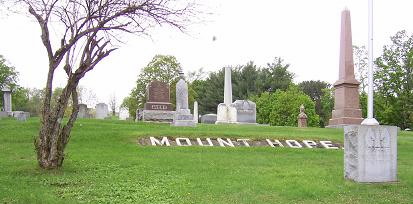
[{"x": 346, "y": 105}]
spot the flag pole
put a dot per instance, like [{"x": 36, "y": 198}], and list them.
[{"x": 370, "y": 120}]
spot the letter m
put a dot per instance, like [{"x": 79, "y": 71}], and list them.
[{"x": 155, "y": 142}]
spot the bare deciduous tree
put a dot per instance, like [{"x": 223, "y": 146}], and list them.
[
  {"x": 89, "y": 29},
  {"x": 112, "y": 104}
]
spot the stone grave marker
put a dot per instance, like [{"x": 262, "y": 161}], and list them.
[
  {"x": 370, "y": 153},
  {"x": 182, "y": 116},
  {"x": 82, "y": 111},
  {"x": 157, "y": 106},
  {"x": 7, "y": 103},
  {"x": 209, "y": 118},
  {"x": 102, "y": 111}
]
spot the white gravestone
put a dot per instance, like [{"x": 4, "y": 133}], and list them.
[
  {"x": 182, "y": 116},
  {"x": 7, "y": 103},
  {"x": 21, "y": 115},
  {"x": 239, "y": 112},
  {"x": 246, "y": 112},
  {"x": 370, "y": 153},
  {"x": 196, "y": 117},
  {"x": 102, "y": 111},
  {"x": 82, "y": 111},
  {"x": 209, "y": 118}
]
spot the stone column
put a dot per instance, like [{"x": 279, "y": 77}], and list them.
[
  {"x": 346, "y": 102},
  {"x": 228, "y": 86},
  {"x": 225, "y": 111},
  {"x": 196, "y": 112},
  {"x": 7, "y": 103}
]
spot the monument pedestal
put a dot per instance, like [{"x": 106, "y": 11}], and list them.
[
  {"x": 370, "y": 153},
  {"x": 346, "y": 105},
  {"x": 183, "y": 118},
  {"x": 226, "y": 113},
  {"x": 158, "y": 115},
  {"x": 239, "y": 112}
]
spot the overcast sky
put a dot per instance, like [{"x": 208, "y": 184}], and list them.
[{"x": 304, "y": 33}]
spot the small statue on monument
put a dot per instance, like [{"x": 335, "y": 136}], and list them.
[{"x": 302, "y": 117}]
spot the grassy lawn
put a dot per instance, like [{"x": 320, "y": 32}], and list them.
[{"x": 104, "y": 164}]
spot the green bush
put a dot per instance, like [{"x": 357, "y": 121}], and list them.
[{"x": 282, "y": 107}]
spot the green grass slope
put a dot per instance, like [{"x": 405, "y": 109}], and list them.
[{"x": 104, "y": 164}]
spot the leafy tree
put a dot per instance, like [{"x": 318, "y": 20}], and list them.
[
  {"x": 89, "y": 31},
  {"x": 264, "y": 104},
  {"x": 247, "y": 81},
  {"x": 20, "y": 99},
  {"x": 314, "y": 89},
  {"x": 34, "y": 105},
  {"x": 282, "y": 107},
  {"x": 276, "y": 76},
  {"x": 210, "y": 92},
  {"x": 8, "y": 74},
  {"x": 394, "y": 82},
  {"x": 327, "y": 105},
  {"x": 112, "y": 104},
  {"x": 361, "y": 65}
]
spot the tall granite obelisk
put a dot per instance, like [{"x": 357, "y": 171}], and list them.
[{"x": 346, "y": 102}]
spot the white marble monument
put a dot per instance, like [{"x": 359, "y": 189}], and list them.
[
  {"x": 239, "y": 112},
  {"x": 370, "y": 153},
  {"x": 196, "y": 117},
  {"x": 182, "y": 116},
  {"x": 102, "y": 111},
  {"x": 225, "y": 111}
]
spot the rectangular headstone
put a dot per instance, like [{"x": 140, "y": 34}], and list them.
[
  {"x": 102, "y": 111},
  {"x": 157, "y": 94},
  {"x": 370, "y": 153},
  {"x": 82, "y": 111}
]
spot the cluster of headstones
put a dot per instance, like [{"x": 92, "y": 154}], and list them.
[
  {"x": 101, "y": 112},
  {"x": 7, "y": 107},
  {"x": 159, "y": 108}
]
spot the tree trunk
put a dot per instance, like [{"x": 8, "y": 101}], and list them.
[{"x": 54, "y": 135}]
